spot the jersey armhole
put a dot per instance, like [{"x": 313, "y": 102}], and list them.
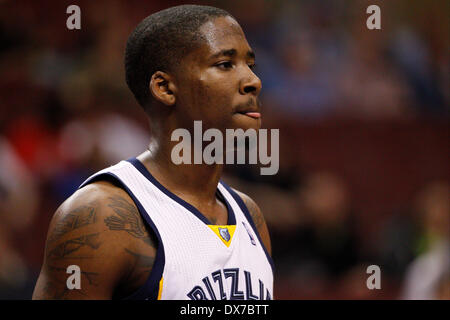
[
  {"x": 150, "y": 290},
  {"x": 247, "y": 214}
]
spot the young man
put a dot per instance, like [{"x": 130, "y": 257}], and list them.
[{"x": 147, "y": 228}]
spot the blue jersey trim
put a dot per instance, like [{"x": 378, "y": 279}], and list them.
[
  {"x": 149, "y": 290},
  {"x": 142, "y": 169},
  {"x": 247, "y": 214}
]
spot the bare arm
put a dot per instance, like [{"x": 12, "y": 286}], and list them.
[
  {"x": 99, "y": 230},
  {"x": 258, "y": 220}
]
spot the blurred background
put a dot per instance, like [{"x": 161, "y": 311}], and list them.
[{"x": 364, "y": 135}]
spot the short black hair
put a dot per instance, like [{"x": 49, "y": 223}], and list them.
[{"x": 159, "y": 43}]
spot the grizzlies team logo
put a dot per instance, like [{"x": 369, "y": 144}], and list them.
[{"x": 224, "y": 234}]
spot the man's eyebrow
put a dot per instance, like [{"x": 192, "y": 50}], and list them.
[{"x": 231, "y": 53}]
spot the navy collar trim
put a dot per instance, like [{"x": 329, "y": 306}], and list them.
[{"x": 143, "y": 170}]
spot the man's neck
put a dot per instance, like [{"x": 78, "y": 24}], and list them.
[{"x": 196, "y": 183}]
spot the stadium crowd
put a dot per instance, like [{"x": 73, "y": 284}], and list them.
[{"x": 363, "y": 118}]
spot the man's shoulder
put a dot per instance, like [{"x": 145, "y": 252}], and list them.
[
  {"x": 251, "y": 205},
  {"x": 84, "y": 201},
  {"x": 99, "y": 192},
  {"x": 92, "y": 208}
]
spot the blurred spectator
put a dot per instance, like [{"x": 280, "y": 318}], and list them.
[
  {"x": 329, "y": 235},
  {"x": 427, "y": 276},
  {"x": 325, "y": 242},
  {"x": 18, "y": 205},
  {"x": 88, "y": 143},
  {"x": 412, "y": 57}
]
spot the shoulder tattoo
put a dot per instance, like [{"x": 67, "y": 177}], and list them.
[
  {"x": 255, "y": 213},
  {"x": 75, "y": 219},
  {"x": 127, "y": 218}
]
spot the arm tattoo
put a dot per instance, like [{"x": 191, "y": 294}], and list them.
[
  {"x": 75, "y": 219},
  {"x": 57, "y": 289},
  {"x": 144, "y": 265},
  {"x": 128, "y": 219},
  {"x": 52, "y": 290},
  {"x": 90, "y": 276},
  {"x": 257, "y": 217},
  {"x": 260, "y": 223},
  {"x": 65, "y": 249}
]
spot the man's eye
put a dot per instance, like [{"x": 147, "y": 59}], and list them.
[{"x": 225, "y": 65}]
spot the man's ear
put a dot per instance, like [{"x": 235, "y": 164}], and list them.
[{"x": 163, "y": 88}]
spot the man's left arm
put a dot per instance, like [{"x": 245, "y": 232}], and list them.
[{"x": 258, "y": 220}]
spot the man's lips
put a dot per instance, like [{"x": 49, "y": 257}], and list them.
[
  {"x": 251, "y": 114},
  {"x": 255, "y": 115},
  {"x": 250, "y": 109}
]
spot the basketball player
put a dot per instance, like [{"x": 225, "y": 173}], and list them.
[{"x": 146, "y": 228}]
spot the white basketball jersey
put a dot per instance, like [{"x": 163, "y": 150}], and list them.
[{"x": 196, "y": 260}]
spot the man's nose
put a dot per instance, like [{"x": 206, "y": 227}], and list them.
[{"x": 250, "y": 84}]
